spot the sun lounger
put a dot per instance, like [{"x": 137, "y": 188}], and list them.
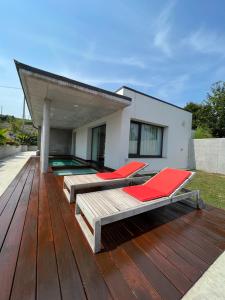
[
  {"x": 104, "y": 207},
  {"x": 120, "y": 176}
]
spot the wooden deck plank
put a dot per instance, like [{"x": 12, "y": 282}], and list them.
[
  {"x": 92, "y": 279},
  {"x": 70, "y": 281},
  {"x": 151, "y": 240},
  {"x": 24, "y": 287},
  {"x": 10, "y": 248},
  {"x": 48, "y": 286},
  {"x": 4, "y": 198},
  {"x": 8, "y": 212}
]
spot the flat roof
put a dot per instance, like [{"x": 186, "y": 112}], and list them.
[
  {"x": 29, "y": 68},
  {"x": 141, "y": 93},
  {"x": 66, "y": 94}
]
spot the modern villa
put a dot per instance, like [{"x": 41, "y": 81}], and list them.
[
  {"x": 73, "y": 227},
  {"x": 110, "y": 128}
]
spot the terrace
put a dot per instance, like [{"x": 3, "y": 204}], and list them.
[{"x": 44, "y": 255}]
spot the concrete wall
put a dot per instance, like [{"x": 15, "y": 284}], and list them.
[
  {"x": 208, "y": 155},
  {"x": 60, "y": 141},
  {"x": 177, "y": 133},
  {"x": 8, "y": 150}
]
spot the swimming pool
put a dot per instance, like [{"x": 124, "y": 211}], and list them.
[
  {"x": 78, "y": 171},
  {"x": 58, "y": 162}
]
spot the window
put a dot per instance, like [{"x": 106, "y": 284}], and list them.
[{"x": 145, "y": 140}]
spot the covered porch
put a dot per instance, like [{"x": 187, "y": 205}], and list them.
[{"x": 59, "y": 105}]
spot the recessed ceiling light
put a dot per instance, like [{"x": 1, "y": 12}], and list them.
[{"x": 75, "y": 105}]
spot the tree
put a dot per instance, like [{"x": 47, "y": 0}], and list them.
[
  {"x": 195, "y": 109},
  {"x": 215, "y": 108},
  {"x": 209, "y": 115}
]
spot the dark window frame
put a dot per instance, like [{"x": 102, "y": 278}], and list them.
[
  {"x": 92, "y": 129},
  {"x": 138, "y": 155}
]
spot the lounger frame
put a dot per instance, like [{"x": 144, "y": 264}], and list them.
[
  {"x": 95, "y": 214},
  {"x": 70, "y": 187}
]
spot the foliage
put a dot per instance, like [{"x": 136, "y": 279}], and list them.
[
  {"x": 2, "y": 137},
  {"x": 215, "y": 105},
  {"x": 210, "y": 114},
  {"x": 202, "y": 133},
  {"x": 195, "y": 109},
  {"x": 27, "y": 138},
  {"x": 15, "y": 134}
]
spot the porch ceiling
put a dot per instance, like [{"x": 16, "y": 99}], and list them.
[{"x": 73, "y": 104}]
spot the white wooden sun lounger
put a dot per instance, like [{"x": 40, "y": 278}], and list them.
[
  {"x": 104, "y": 207},
  {"x": 74, "y": 183}
]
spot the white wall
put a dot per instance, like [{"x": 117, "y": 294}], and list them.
[
  {"x": 112, "y": 143},
  {"x": 177, "y": 133}
]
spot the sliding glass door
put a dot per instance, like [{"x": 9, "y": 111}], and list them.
[{"x": 98, "y": 144}]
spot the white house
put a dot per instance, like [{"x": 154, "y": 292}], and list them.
[{"x": 102, "y": 126}]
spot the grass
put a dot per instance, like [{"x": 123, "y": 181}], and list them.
[{"x": 211, "y": 186}]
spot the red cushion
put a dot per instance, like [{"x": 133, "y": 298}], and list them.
[
  {"x": 109, "y": 175},
  {"x": 168, "y": 180},
  {"x": 130, "y": 168},
  {"x": 142, "y": 192}
]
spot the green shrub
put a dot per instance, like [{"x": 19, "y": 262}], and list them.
[
  {"x": 202, "y": 133},
  {"x": 2, "y": 137}
]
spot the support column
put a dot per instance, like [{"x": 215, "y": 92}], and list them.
[{"x": 45, "y": 130}]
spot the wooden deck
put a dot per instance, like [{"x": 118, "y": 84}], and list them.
[{"x": 44, "y": 255}]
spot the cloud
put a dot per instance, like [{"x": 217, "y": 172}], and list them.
[
  {"x": 173, "y": 88},
  {"x": 100, "y": 81},
  {"x": 163, "y": 29},
  {"x": 88, "y": 51},
  {"x": 206, "y": 42}
]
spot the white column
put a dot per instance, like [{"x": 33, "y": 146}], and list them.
[{"x": 45, "y": 130}]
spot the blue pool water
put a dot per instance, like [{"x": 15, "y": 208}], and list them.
[
  {"x": 64, "y": 162},
  {"x": 77, "y": 171}
]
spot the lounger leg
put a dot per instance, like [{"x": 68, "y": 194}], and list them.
[
  {"x": 72, "y": 194},
  {"x": 94, "y": 239},
  {"x": 200, "y": 202},
  {"x": 69, "y": 192},
  {"x": 97, "y": 237}
]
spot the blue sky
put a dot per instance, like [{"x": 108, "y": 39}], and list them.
[{"x": 173, "y": 50}]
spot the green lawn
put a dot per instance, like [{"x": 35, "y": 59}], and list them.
[{"x": 211, "y": 186}]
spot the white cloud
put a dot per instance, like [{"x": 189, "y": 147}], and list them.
[
  {"x": 206, "y": 42},
  {"x": 173, "y": 88},
  {"x": 99, "y": 81},
  {"x": 163, "y": 29}
]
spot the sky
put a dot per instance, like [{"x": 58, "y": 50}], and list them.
[{"x": 173, "y": 50}]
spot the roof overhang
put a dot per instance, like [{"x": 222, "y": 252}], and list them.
[{"x": 73, "y": 103}]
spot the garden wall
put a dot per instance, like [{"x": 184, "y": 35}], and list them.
[
  {"x": 207, "y": 155},
  {"x": 8, "y": 150}
]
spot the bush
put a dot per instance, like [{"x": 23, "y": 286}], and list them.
[
  {"x": 202, "y": 133},
  {"x": 27, "y": 139},
  {"x": 2, "y": 137}
]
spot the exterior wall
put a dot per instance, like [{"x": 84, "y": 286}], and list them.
[
  {"x": 177, "y": 133},
  {"x": 113, "y": 157},
  {"x": 208, "y": 155},
  {"x": 177, "y": 130},
  {"x": 60, "y": 141},
  {"x": 8, "y": 150}
]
